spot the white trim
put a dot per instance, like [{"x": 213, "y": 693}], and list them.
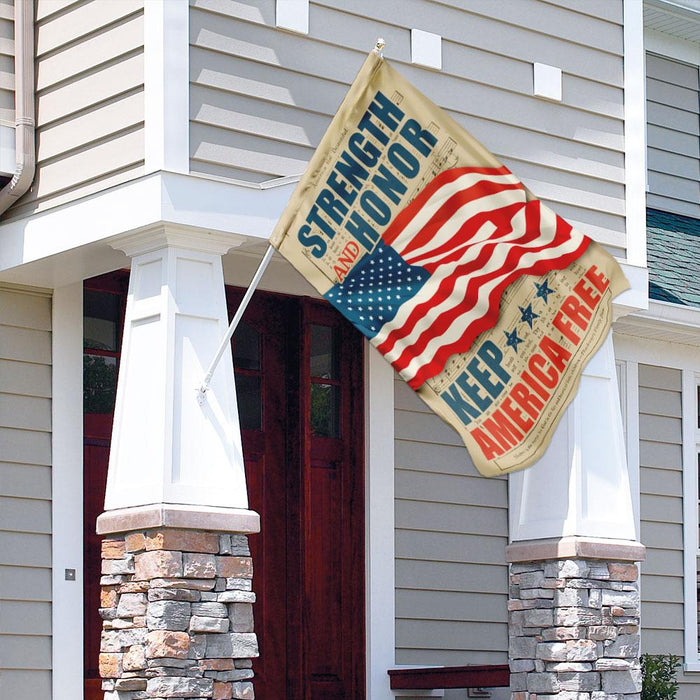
[
  {"x": 664, "y": 321},
  {"x": 67, "y": 491},
  {"x": 690, "y": 516},
  {"x": 379, "y": 508},
  {"x": 75, "y": 233},
  {"x": 688, "y": 10},
  {"x": 185, "y": 200},
  {"x": 671, "y": 46},
  {"x": 635, "y": 298},
  {"x": 292, "y": 15},
  {"x": 166, "y": 85},
  {"x": 631, "y": 382},
  {"x": 635, "y": 133},
  {"x": 653, "y": 351}
]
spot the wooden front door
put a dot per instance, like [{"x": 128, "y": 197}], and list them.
[{"x": 299, "y": 381}]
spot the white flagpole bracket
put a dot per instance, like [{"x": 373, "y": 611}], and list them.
[{"x": 202, "y": 389}]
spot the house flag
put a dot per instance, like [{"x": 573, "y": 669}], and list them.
[{"x": 486, "y": 302}]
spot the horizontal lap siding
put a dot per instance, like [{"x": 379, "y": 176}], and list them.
[
  {"x": 261, "y": 98},
  {"x": 451, "y": 534},
  {"x": 673, "y": 135},
  {"x": 90, "y": 102},
  {"x": 661, "y": 486},
  {"x": 25, "y": 495}
]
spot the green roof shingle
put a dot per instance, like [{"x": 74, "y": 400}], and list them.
[{"x": 673, "y": 254}]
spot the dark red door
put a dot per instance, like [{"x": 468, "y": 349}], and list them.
[
  {"x": 299, "y": 382},
  {"x": 104, "y": 301}
]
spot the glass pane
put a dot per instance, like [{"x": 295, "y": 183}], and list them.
[
  {"x": 246, "y": 347},
  {"x": 99, "y": 383},
  {"x": 324, "y": 354},
  {"x": 249, "y": 401},
  {"x": 100, "y": 316},
  {"x": 325, "y": 410}
]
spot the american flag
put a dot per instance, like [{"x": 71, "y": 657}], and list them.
[{"x": 434, "y": 281}]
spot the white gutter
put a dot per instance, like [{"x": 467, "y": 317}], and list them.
[{"x": 24, "y": 106}]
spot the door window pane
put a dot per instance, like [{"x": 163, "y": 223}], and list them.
[
  {"x": 325, "y": 410},
  {"x": 246, "y": 347},
  {"x": 324, "y": 354},
  {"x": 99, "y": 383},
  {"x": 100, "y": 320},
  {"x": 246, "y": 361},
  {"x": 249, "y": 401}
]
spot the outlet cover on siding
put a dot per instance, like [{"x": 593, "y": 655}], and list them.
[
  {"x": 293, "y": 15},
  {"x": 426, "y": 49},
  {"x": 546, "y": 81}
]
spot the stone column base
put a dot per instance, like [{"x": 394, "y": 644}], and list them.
[
  {"x": 573, "y": 627},
  {"x": 177, "y": 612}
]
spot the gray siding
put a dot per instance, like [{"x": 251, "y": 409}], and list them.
[
  {"x": 261, "y": 98},
  {"x": 90, "y": 107},
  {"x": 7, "y": 63},
  {"x": 451, "y": 534},
  {"x": 661, "y": 512},
  {"x": 25, "y": 494},
  {"x": 673, "y": 135}
]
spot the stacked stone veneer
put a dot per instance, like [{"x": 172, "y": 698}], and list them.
[
  {"x": 177, "y": 616},
  {"x": 574, "y": 630}
]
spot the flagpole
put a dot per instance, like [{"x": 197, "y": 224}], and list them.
[{"x": 202, "y": 390}]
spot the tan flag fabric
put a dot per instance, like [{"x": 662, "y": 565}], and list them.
[{"x": 486, "y": 302}]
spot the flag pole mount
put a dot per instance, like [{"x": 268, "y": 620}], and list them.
[
  {"x": 202, "y": 389},
  {"x": 379, "y": 47}
]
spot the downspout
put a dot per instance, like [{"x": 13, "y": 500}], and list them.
[{"x": 24, "y": 106}]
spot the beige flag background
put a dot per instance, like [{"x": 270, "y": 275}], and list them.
[{"x": 507, "y": 392}]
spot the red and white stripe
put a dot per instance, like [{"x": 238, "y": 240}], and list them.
[{"x": 475, "y": 232}]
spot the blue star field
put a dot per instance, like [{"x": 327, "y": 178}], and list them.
[{"x": 375, "y": 288}]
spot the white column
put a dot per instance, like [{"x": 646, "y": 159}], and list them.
[
  {"x": 166, "y": 447},
  {"x": 580, "y": 488}
]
